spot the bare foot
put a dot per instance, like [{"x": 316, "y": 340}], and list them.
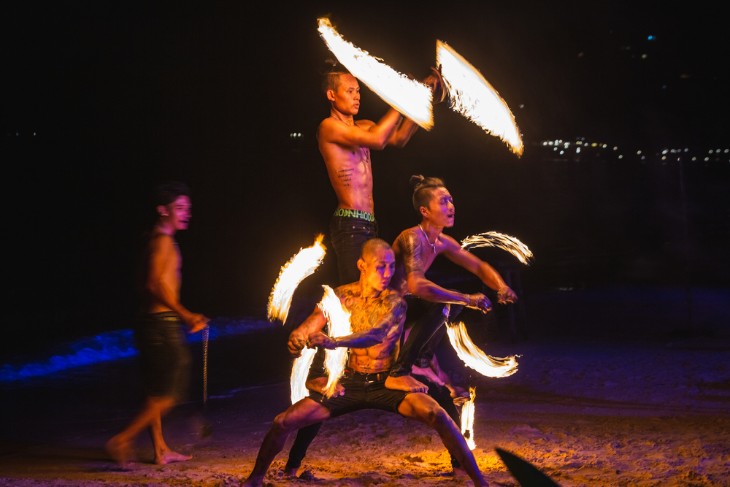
[
  {"x": 291, "y": 472},
  {"x": 253, "y": 482},
  {"x": 120, "y": 450},
  {"x": 405, "y": 383},
  {"x": 171, "y": 457},
  {"x": 460, "y": 474}
]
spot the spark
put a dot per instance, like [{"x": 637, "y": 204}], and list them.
[
  {"x": 338, "y": 319},
  {"x": 467, "y": 419},
  {"x": 410, "y": 97},
  {"x": 301, "y": 265},
  {"x": 502, "y": 241},
  {"x": 471, "y": 95},
  {"x": 475, "y": 358}
]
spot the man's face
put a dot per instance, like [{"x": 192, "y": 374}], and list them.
[
  {"x": 441, "y": 208},
  {"x": 180, "y": 212},
  {"x": 379, "y": 268},
  {"x": 347, "y": 95}
]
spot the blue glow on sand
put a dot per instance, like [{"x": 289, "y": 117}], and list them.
[{"x": 115, "y": 345}]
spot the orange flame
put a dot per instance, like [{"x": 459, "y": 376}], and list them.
[
  {"x": 338, "y": 319},
  {"x": 471, "y": 95},
  {"x": 502, "y": 241},
  {"x": 410, "y": 97},
  {"x": 299, "y": 372},
  {"x": 467, "y": 419},
  {"x": 301, "y": 265},
  {"x": 475, "y": 358}
]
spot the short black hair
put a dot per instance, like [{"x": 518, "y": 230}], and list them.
[
  {"x": 331, "y": 74},
  {"x": 169, "y": 191}
]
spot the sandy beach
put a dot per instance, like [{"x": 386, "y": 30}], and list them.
[{"x": 584, "y": 411}]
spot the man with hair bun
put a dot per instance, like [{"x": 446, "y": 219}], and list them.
[{"x": 416, "y": 248}]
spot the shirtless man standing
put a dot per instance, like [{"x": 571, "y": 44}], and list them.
[
  {"x": 377, "y": 317},
  {"x": 159, "y": 336},
  {"x": 345, "y": 145}
]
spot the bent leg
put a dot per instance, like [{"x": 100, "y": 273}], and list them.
[
  {"x": 303, "y": 413},
  {"x": 298, "y": 450},
  {"x": 425, "y": 409}
]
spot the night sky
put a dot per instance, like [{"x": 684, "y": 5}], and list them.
[{"x": 101, "y": 100}]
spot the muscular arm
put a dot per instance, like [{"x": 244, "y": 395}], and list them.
[
  {"x": 385, "y": 325},
  {"x": 408, "y": 127},
  {"x": 485, "y": 272},
  {"x": 363, "y": 134},
  {"x": 402, "y": 135},
  {"x": 414, "y": 255},
  {"x": 299, "y": 336}
]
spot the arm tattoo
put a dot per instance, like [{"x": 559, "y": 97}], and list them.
[{"x": 413, "y": 253}]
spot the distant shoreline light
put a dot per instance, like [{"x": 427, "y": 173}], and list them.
[{"x": 581, "y": 149}]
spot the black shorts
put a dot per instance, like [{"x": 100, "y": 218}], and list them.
[
  {"x": 362, "y": 391},
  {"x": 164, "y": 355}
]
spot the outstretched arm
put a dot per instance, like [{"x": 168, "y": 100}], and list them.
[
  {"x": 364, "y": 133},
  {"x": 422, "y": 287},
  {"x": 387, "y": 323},
  {"x": 485, "y": 272},
  {"x": 400, "y": 137}
]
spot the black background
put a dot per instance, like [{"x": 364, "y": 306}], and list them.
[{"x": 102, "y": 100}]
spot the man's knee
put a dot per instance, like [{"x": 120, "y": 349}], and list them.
[
  {"x": 431, "y": 413},
  {"x": 438, "y": 415},
  {"x": 284, "y": 422}
]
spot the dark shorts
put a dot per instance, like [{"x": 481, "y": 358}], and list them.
[
  {"x": 164, "y": 355},
  {"x": 362, "y": 391},
  {"x": 347, "y": 234}
]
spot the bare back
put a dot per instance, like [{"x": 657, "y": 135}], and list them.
[{"x": 348, "y": 163}]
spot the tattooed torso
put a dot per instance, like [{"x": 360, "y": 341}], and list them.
[{"x": 381, "y": 316}]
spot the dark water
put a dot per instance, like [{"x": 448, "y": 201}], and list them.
[{"x": 119, "y": 345}]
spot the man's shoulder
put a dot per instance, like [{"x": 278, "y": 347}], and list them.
[
  {"x": 350, "y": 289},
  {"x": 406, "y": 235},
  {"x": 364, "y": 124},
  {"x": 407, "y": 231},
  {"x": 330, "y": 123},
  {"x": 158, "y": 239}
]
